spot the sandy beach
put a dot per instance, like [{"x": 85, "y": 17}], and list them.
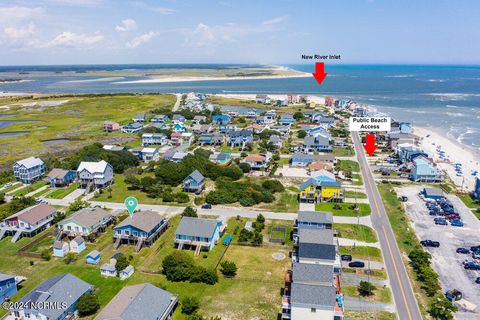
[
  {"x": 316, "y": 99},
  {"x": 455, "y": 152},
  {"x": 187, "y": 79}
]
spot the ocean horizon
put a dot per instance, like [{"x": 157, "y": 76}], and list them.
[{"x": 443, "y": 97}]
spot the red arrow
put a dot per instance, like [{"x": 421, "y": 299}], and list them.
[
  {"x": 370, "y": 145},
  {"x": 319, "y": 73}
]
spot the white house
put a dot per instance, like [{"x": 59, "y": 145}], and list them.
[
  {"x": 150, "y": 154},
  {"x": 29, "y": 170},
  {"x": 95, "y": 174},
  {"x": 126, "y": 273},
  {"x": 149, "y": 139}
]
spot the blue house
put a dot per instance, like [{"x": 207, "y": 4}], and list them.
[
  {"x": 144, "y": 227},
  {"x": 425, "y": 171},
  {"x": 60, "y": 249},
  {"x": 132, "y": 127},
  {"x": 476, "y": 192},
  {"x": 29, "y": 170},
  {"x": 8, "y": 286},
  {"x": 286, "y": 120},
  {"x": 405, "y": 127},
  {"x": 61, "y": 177},
  {"x": 179, "y": 127},
  {"x": 159, "y": 118},
  {"x": 194, "y": 182},
  {"x": 93, "y": 257},
  {"x": 221, "y": 119},
  {"x": 64, "y": 290},
  {"x": 407, "y": 152},
  {"x": 224, "y": 128},
  {"x": 198, "y": 233},
  {"x": 178, "y": 118}
]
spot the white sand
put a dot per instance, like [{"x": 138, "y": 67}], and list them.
[
  {"x": 316, "y": 99},
  {"x": 455, "y": 152},
  {"x": 186, "y": 79}
]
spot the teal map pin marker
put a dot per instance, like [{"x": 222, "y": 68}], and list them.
[{"x": 131, "y": 203}]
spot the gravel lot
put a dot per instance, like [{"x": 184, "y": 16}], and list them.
[{"x": 446, "y": 261}]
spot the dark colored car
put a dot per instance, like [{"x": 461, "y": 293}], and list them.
[
  {"x": 430, "y": 243},
  {"x": 457, "y": 223},
  {"x": 477, "y": 280},
  {"x": 472, "y": 266},
  {"x": 475, "y": 248},
  {"x": 441, "y": 222},
  {"x": 356, "y": 264},
  {"x": 463, "y": 250},
  {"x": 346, "y": 257},
  {"x": 207, "y": 206}
]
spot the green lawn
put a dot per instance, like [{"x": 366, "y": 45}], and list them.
[
  {"x": 362, "y": 252},
  {"x": 120, "y": 192},
  {"x": 343, "y": 151},
  {"x": 12, "y": 187},
  {"x": 354, "y": 231},
  {"x": 41, "y": 192},
  {"x": 358, "y": 179},
  {"x": 380, "y": 294},
  {"x": 469, "y": 200},
  {"x": 30, "y": 188},
  {"x": 353, "y": 194},
  {"x": 369, "y": 315},
  {"x": 348, "y": 164},
  {"x": 346, "y": 209},
  {"x": 286, "y": 202},
  {"x": 60, "y": 193}
]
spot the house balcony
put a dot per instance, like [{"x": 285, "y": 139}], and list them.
[{"x": 195, "y": 243}]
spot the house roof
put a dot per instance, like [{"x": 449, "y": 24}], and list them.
[
  {"x": 309, "y": 273},
  {"x": 4, "y": 276},
  {"x": 87, "y": 217},
  {"x": 433, "y": 192},
  {"x": 298, "y": 156},
  {"x": 255, "y": 157},
  {"x": 316, "y": 251},
  {"x": 313, "y": 295},
  {"x": 321, "y": 217},
  {"x": 57, "y": 173},
  {"x": 142, "y": 220},
  {"x": 93, "y": 254},
  {"x": 309, "y": 182},
  {"x": 93, "y": 167},
  {"x": 58, "y": 244},
  {"x": 30, "y": 162},
  {"x": 64, "y": 288},
  {"x": 315, "y": 235},
  {"x": 78, "y": 240},
  {"x": 196, "y": 175},
  {"x": 108, "y": 267},
  {"x": 34, "y": 214},
  {"x": 128, "y": 269},
  {"x": 319, "y": 165},
  {"x": 149, "y": 150},
  {"x": 197, "y": 227},
  {"x": 144, "y": 299}
]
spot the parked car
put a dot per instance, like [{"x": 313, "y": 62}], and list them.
[
  {"x": 463, "y": 250},
  {"x": 207, "y": 206},
  {"x": 440, "y": 221},
  {"x": 403, "y": 198},
  {"x": 457, "y": 223},
  {"x": 346, "y": 257},
  {"x": 477, "y": 280},
  {"x": 476, "y": 255},
  {"x": 472, "y": 266},
  {"x": 356, "y": 264},
  {"x": 475, "y": 248},
  {"x": 453, "y": 295},
  {"x": 430, "y": 243}
]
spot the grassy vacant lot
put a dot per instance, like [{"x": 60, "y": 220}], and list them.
[
  {"x": 243, "y": 295},
  {"x": 359, "y": 179},
  {"x": 12, "y": 187},
  {"x": 286, "y": 202},
  {"x": 405, "y": 236},
  {"x": 362, "y": 252},
  {"x": 30, "y": 188},
  {"x": 120, "y": 192},
  {"x": 41, "y": 192},
  {"x": 353, "y": 194},
  {"x": 343, "y": 151},
  {"x": 353, "y": 231},
  {"x": 79, "y": 120},
  {"x": 346, "y": 209},
  {"x": 469, "y": 200},
  {"x": 368, "y": 315},
  {"x": 349, "y": 164},
  {"x": 61, "y": 193},
  {"x": 380, "y": 294}
]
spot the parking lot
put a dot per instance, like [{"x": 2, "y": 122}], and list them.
[{"x": 445, "y": 260}]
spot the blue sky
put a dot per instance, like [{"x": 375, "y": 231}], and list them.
[{"x": 234, "y": 31}]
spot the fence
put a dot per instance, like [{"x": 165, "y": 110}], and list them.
[{"x": 23, "y": 250}]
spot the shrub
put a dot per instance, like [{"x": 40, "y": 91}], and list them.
[
  {"x": 365, "y": 288},
  {"x": 301, "y": 134},
  {"x": 189, "y": 212},
  {"x": 46, "y": 255},
  {"x": 228, "y": 268},
  {"x": 245, "y": 167},
  {"x": 122, "y": 263},
  {"x": 88, "y": 304},
  {"x": 273, "y": 185},
  {"x": 69, "y": 258},
  {"x": 190, "y": 305}
]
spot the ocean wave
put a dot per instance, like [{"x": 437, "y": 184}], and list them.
[
  {"x": 451, "y": 106},
  {"x": 400, "y": 76},
  {"x": 455, "y": 114},
  {"x": 433, "y": 80}
]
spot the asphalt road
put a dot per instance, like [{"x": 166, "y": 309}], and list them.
[{"x": 405, "y": 302}]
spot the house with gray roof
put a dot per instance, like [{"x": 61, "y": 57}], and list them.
[
  {"x": 316, "y": 143},
  {"x": 86, "y": 221},
  {"x": 63, "y": 290},
  {"x": 307, "y": 273},
  {"x": 309, "y": 235},
  {"x": 312, "y": 302},
  {"x": 313, "y": 220},
  {"x": 194, "y": 182},
  {"x": 316, "y": 253},
  {"x": 144, "y": 227},
  {"x": 141, "y": 301},
  {"x": 198, "y": 233}
]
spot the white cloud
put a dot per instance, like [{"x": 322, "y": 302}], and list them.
[
  {"x": 275, "y": 20},
  {"x": 80, "y": 3},
  {"x": 19, "y": 32},
  {"x": 126, "y": 25},
  {"x": 141, "y": 39},
  {"x": 74, "y": 40},
  {"x": 143, "y": 5}
]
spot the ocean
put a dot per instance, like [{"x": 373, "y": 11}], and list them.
[{"x": 445, "y": 98}]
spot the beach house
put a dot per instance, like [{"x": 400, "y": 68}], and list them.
[
  {"x": 263, "y": 99},
  {"x": 317, "y": 143},
  {"x": 320, "y": 189},
  {"x": 29, "y": 170},
  {"x": 198, "y": 233},
  {"x": 141, "y": 301},
  {"x": 425, "y": 171},
  {"x": 111, "y": 126},
  {"x": 194, "y": 182},
  {"x": 221, "y": 119},
  {"x": 150, "y": 154},
  {"x": 313, "y": 220},
  {"x": 159, "y": 118},
  {"x": 240, "y": 138},
  {"x": 140, "y": 117},
  {"x": 407, "y": 152},
  {"x": 28, "y": 222},
  {"x": 286, "y": 119},
  {"x": 143, "y": 228},
  {"x": 293, "y": 98},
  {"x": 93, "y": 257},
  {"x": 178, "y": 118},
  {"x": 95, "y": 175},
  {"x": 132, "y": 127},
  {"x": 60, "y": 249},
  {"x": 63, "y": 290},
  {"x": 8, "y": 286},
  {"x": 256, "y": 161},
  {"x": 149, "y": 139},
  {"x": 61, "y": 177}
]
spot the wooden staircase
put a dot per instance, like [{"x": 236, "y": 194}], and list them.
[
  {"x": 139, "y": 245},
  {"x": 197, "y": 249},
  {"x": 117, "y": 243}
]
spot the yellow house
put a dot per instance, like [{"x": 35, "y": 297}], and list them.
[{"x": 320, "y": 190}]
